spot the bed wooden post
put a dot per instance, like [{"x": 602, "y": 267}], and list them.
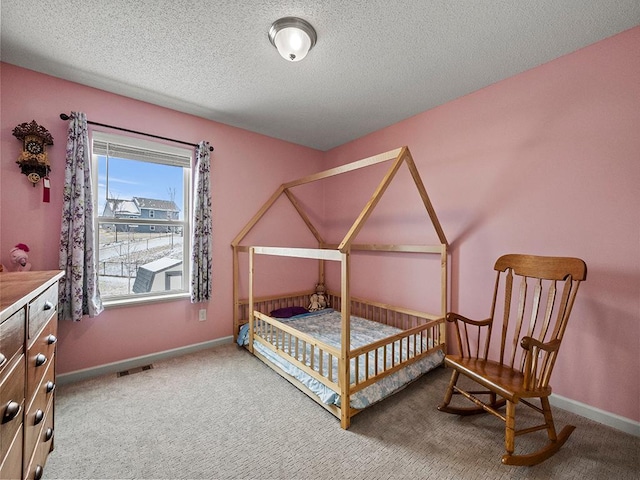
[
  {"x": 321, "y": 271},
  {"x": 441, "y": 236},
  {"x": 251, "y": 306},
  {"x": 236, "y": 290},
  {"x": 443, "y": 289},
  {"x": 344, "y": 374}
]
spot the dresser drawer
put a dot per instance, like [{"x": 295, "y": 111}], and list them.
[
  {"x": 41, "y": 309},
  {"x": 41, "y": 395},
  {"x": 38, "y": 409},
  {"x": 40, "y": 355},
  {"x": 38, "y": 418},
  {"x": 11, "y": 402},
  {"x": 11, "y": 467},
  {"x": 44, "y": 442},
  {"x": 11, "y": 338}
]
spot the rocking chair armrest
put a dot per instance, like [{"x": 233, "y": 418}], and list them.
[
  {"x": 537, "y": 370},
  {"x": 529, "y": 342},
  {"x": 454, "y": 317}
]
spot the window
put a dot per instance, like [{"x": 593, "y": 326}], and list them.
[{"x": 142, "y": 215}]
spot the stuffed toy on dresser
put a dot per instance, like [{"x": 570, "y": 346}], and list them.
[{"x": 19, "y": 259}]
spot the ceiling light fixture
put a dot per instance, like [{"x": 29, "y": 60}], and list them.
[{"x": 293, "y": 37}]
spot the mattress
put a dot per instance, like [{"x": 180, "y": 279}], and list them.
[{"x": 326, "y": 326}]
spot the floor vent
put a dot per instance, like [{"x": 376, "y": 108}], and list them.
[{"x": 134, "y": 370}]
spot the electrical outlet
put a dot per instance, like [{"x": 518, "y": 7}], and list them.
[{"x": 203, "y": 315}]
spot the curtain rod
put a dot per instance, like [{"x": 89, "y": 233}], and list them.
[{"x": 64, "y": 116}]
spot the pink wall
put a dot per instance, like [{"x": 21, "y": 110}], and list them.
[
  {"x": 546, "y": 162},
  {"x": 246, "y": 169}
]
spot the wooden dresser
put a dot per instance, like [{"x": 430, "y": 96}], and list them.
[{"x": 28, "y": 329}]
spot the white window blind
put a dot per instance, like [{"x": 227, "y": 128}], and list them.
[{"x": 141, "y": 150}]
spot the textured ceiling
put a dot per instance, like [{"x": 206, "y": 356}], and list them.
[{"x": 376, "y": 61}]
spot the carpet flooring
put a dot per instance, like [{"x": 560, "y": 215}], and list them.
[{"x": 222, "y": 414}]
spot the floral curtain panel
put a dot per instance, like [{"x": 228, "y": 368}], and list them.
[
  {"x": 79, "y": 293},
  {"x": 201, "y": 235}
]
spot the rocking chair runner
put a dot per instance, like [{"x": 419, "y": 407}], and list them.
[{"x": 539, "y": 293}]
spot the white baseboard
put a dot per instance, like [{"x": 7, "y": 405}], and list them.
[
  {"x": 592, "y": 413},
  {"x": 130, "y": 363}
]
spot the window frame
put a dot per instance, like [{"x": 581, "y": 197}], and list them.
[{"x": 171, "y": 223}]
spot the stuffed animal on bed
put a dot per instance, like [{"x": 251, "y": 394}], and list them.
[{"x": 318, "y": 300}]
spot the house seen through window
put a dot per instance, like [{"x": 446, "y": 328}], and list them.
[{"x": 142, "y": 217}]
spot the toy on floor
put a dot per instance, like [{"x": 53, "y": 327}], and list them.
[
  {"x": 318, "y": 299},
  {"x": 19, "y": 258}
]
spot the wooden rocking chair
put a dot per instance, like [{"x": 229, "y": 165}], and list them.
[{"x": 539, "y": 293}]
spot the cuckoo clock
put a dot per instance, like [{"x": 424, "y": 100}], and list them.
[{"x": 33, "y": 159}]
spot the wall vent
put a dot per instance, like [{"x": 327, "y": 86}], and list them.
[{"x": 131, "y": 371}]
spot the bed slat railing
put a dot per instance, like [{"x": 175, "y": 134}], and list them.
[
  {"x": 402, "y": 318},
  {"x": 422, "y": 333},
  {"x": 369, "y": 363},
  {"x": 299, "y": 348},
  {"x": 269, "y": 303},
  {"x": 393, "y": 353}
]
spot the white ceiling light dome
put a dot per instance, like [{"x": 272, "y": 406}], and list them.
[{"x": 293, "y": 37}]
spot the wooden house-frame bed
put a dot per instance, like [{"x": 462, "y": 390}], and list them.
[{"x": 409, "y": 343}]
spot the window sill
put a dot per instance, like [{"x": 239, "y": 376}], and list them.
[{"x": 132, "y": 302}]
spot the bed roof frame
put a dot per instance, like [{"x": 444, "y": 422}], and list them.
[
  {"x": 342, "y": 250},
  {"x": 400, "y": 155}
]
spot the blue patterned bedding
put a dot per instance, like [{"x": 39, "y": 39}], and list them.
[{"x": 326, "y": 326}]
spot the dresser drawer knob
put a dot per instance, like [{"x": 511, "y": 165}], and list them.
[
  {"x": 3, "y": 359},
  {"x": 48, "y": 434},
  {"x": 48, "y": 305},
  {"x": 39, "y": 416},
  {"x": 41, "y": 359},
  {"x": 51, "y": 339},
  {"x": 11, "y": 411},
  {"x": 37, "y": 474},
  {"x": 50, "y": 386}
]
